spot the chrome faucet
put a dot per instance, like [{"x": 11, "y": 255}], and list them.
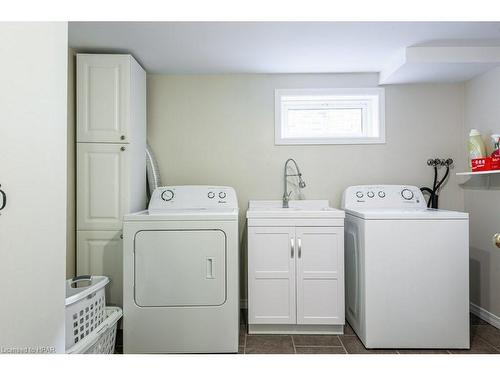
[{"x": 302, "y": 184}]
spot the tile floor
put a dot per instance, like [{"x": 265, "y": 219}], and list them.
[{"x": 485, "y": 339}]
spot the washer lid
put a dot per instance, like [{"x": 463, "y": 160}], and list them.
[{"x": 407, "y": 214}]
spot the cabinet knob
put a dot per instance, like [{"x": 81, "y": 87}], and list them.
[
  {"x": 123, "y": 148},
  {"x": 496, "y": 240},
  {"x": 122, "y": 137}
]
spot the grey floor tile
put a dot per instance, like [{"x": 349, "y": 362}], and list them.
[
  {"x": 475, "y": 320},
  {"x": 241, "y": 340},
  {"x": 348, "y": 331},
  {"x": 478, "y": 346},
  {"x": 353, "y": 345},
  {"x": 488, "y": 333},
  {"x": 243, "y": 331},
  {"x": 316, "y": 340},
  {"x": 269, "y": 344},
  {"x": 320, "y": 350}
]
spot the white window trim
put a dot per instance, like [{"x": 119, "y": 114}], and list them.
[{"x": 278, "y": 140}]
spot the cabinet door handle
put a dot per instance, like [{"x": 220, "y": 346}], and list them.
[
  {"x": 210, "y": 268},
  {"x": 4, "y": 199},
  {"x": 300, "y": 247},
  {"x": 292, "y": 247}
]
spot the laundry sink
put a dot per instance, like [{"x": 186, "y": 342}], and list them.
[{"x": 298, "y": 209}]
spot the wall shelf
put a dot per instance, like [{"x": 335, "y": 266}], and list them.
[
  {"x": 478, "y": 173},
  {"x": 484, "y": 182}
]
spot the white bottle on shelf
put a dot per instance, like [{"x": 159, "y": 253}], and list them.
[{"x": 476, "y": 145}]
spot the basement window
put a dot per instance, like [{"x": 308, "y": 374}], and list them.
[{"x": 329, "y": 116}]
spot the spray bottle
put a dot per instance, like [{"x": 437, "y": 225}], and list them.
[{"x": 496, "y": 144}]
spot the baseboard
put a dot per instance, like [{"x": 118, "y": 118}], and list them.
[
  {"x": 299, "y": 329},
  {"x": 243, "y": 304},
  {"x": 485, "y": 315}
]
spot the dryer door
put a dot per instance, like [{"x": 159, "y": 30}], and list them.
[{"x": 180, "y": 268}]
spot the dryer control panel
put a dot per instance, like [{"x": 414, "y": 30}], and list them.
[
  {"x": 192, "y": 198},
  {"x": 383, "y": 196}
]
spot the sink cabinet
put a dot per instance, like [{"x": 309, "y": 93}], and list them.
[{"x": 295, "y": 275}]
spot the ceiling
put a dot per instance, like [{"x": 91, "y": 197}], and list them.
[{"x": 271, "y": 47}]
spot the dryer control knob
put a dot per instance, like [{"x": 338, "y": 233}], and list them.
[
  {"x": 381, "y": 194},
  {"x": 222, "y": 195},
  {"x": 211, "y": 194},
  {"x": 167, "y": 195},
  {"x": 370, "y": 194},
  {"x": 359, "y": 194},
  {"x": 407, "y": 194}
]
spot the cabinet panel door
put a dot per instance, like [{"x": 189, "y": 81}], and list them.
[
  {"x": 103, "y": 98},
  {"x": 271, "y": 275},
  {"x": 320, "y": 275},
  {"x": 99, "y": 253},
  {"x": 101, "y": 186}
]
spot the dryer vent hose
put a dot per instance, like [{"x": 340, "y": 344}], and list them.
[{"x": 152, "y": 171}]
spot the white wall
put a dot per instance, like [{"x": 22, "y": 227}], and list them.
[
  {"x": 219, "y": 130},
  {"x": 482, "y": 111},
  {"x": 33, "y": 84}
]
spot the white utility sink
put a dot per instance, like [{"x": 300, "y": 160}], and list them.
[{"x": 297, "y": 209}]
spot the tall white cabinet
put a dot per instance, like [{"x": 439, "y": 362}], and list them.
[{"x": 111, "y": 169}]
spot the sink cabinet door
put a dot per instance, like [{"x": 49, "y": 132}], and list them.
[
  {"x": 320, "y": 275},
  {"x": 271, "y": 275}
]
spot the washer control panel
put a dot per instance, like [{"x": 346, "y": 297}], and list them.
[
  {"x": 192, "y": 197},
  {"x": 382, "y": 196}
]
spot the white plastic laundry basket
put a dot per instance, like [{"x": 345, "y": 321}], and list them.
[
  {"x": 102, "y": 339},
  {"x": 85, "y": 307}
]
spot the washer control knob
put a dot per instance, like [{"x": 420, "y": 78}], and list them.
[
  {"x": 370, "y": 194},
  {"x": 167, "y": 195},
  {"x": 359, "y": 194},
  {"x": 407, "y": 194},
  {"x": 381, "y": 194},
  {"x": 222, "y": 195},
  {"x": 211, "y": 194}
]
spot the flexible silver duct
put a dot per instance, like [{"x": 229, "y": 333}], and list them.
[{"x": 152, "y": 170}]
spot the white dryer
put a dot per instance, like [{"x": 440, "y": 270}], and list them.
[
  {"x": 181, "y": 283},
  {"x": 407, "y": 269}
]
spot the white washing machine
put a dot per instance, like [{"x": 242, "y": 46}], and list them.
[
  {"x": 181, "y": 283},
  {"x": 407, "y": 269}
]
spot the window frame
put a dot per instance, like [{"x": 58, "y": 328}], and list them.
[{"x": 278, "y": 133}]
